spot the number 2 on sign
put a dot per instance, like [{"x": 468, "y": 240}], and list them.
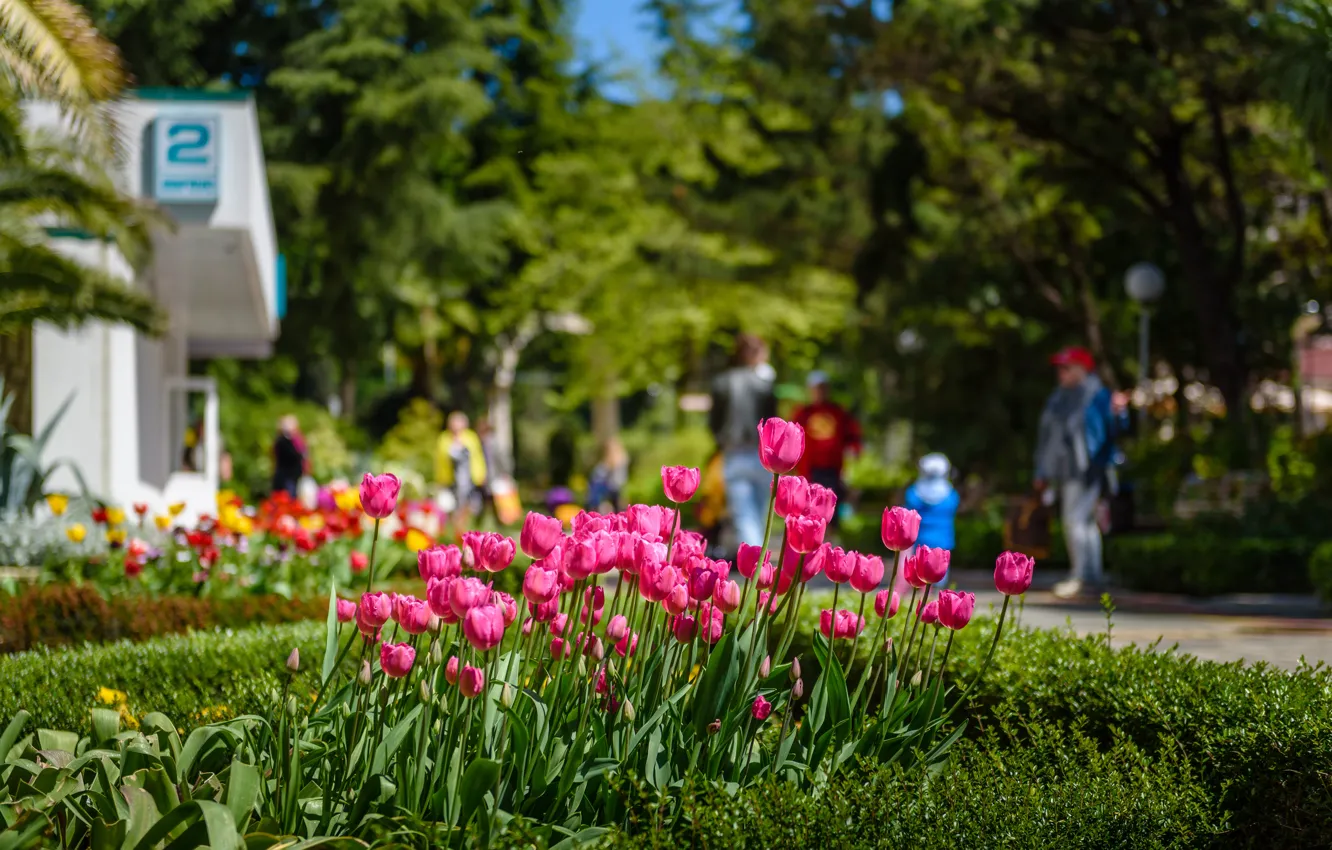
[{"x": 186, "y": 140}]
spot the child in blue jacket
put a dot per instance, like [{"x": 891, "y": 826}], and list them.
[{"x": 933, "y": 497}]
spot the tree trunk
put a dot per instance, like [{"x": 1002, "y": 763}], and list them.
[{"x": 509, "y": 353}]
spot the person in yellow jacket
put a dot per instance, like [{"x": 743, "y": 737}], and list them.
[{"x": 460, "y": 466}]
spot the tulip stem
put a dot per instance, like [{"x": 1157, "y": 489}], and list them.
[
  {"x": 374, "y": 542},
  {"x": 906, "y": 621},
  {"x": 915, "y": 624},
  {"x": 943, "y": 665},
  {"x": 763, "y": 553},
  {"x": 872, "y": 669},
  {"x": 855, "y": 640},
  {"x": 929, "y": 664},
  {"x": 342, "y": 656}
]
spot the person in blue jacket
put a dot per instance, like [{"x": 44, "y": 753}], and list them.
[
  {"x": 1075, "y": 449},
  {"x": 933, "y": 497}
]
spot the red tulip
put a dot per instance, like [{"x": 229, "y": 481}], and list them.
[
  {"x": 483, "y": 626},
  {"x": 868, "y": 573},
  {"x": 792, "y": 497},
  {"x": 781, "y": 445},
  {"x": 540, "y": 535},
  {"x": 955, "y": 609},
  {"x": 886, "y": 603},
  {"x": 396, "y": 659},
  {"x": 379, "y": 494},
  {"x": 761, "y": 708},
  {"x": 471, "y": 682},
  {"x": 900, "y": 529},
  {"x": 359, "y": 561},
  {"x": 1012, "y": 573},
  {"x": 804, "y": 534},
  {"x": 679, "y": 482}
]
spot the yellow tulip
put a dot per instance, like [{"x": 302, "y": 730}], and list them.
[
  {"x": 416, "y": 540},
  {"x": 76, "y": 532},
  {"x": 244, "y": 526},
  {"x": 57, "y": 502},
  {"x": 115, "y": 536},
  {"x": 175, "y": 508},
  {"x": 163, "y": 522},
  {"x": 312, "y": 522},
  {"x": 115, "y": 516},
  {"x": 347, "y": 500}
]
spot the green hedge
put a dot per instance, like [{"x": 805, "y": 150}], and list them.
[
  {"x": 193, "y": 679},
  {"x": 1203, "y": 564}
]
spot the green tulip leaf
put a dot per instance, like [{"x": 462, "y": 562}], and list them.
[
  {"x": 477, "y": 781},
  {"x": 207, "y": 823},
  {"x": 9, "y": 738},
  {"x": 330, "y": 633}
]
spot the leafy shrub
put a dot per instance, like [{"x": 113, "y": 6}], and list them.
[
  {"x": 62, "y": 614},
  {"x": 193, "y": 679},
  {"x": 248, "y": 428},
  {"x": 649, "y": 451},
  {"x": 1205, "y": 564},
  {"x": 1052, "y": 788}
]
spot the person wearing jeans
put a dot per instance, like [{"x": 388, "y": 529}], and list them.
[
  {"x": 1074, "y": 451},
  {"x": 742, "y": 396}
]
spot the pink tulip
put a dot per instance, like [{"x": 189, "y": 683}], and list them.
[
  {"x": 760, "y": 709},
  {"x": 781, "y": 445},
  {"x": 595, "y": 649},
  {"x": 437, "y": 595},
  {"x": 677, "y": 601},
  {"x": 451, "y": 671},
  {"x": 594, "y": 614},
  {"x": 792, "y": 496},
  {"x": 822, "y": 503},
  {"x": 602, "y": 686},
  {"x": 559, "y": 647},
  {"x": 559, "y": 623},
  {"x": 544, "y": 612},
  {"x": 346, "y": 610},
  {"x": 766, "y": 576},
  {"x": 595, "y": 597},
  {"x": 491, "y": 551},
  {"x": 727, "y": 596},
  {"x": 617, "y": 628},
  {"x": 929, "y": 612},
  {"x": 652, "y": 520},
  {"x": 899, "y": 529},
  {"x": 702, "y": 580},
  {"x": 910, "y": 575},
  {"x": 804, "y": 534},
  {"x": 627, "y": 645},
  {"x": 766, "y": 667},
  {"x": 396, "y": 659},
  {"x": 647, "y": 553},
  {"x": 540, "y": 535},
  {"x": 359, "y": 561},
  {"x": 679, "y": 482},
  {"x": 589, "y": 522},
  {"x": 471, "y": 682},
  {"x": 931, "y": 564},
  {"x": 1012, "y": 573},
  {"x": 607, "y": 551},
  {"x": 747, "y": 559},
  {"x": 684, "y": 627},
  {"x": 527, "y": 626},
  {"x": 375, "y": 609},
  {"x": 955, "y": 609},
  {"x": 657, "y": 582},
  {"x": 887, "y": 603},
  {"x": 771, "y": 600},
  {"x": 506, "y": 605},
  {"x": 688, "y": 545},
  {"x": 541, "y": 585},
  {"x": 413, "y": 616},
  {"x": 711, "y": 623},
  {"x": 467, "y": 593},
  {"x": 868, "y": 573},
  {"x": 840, "y": 625},
  {"x": 439, "y": 562},
  {"x": 580, "y": 559},
  {"x": 625, "y": 546},
  {"x": 379, "y": 494},
  {"x": 483, "y": 626},
  {"x": 838, "y": 565}
]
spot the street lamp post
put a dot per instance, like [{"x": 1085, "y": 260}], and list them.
[{"x": 1145, "y": 284}]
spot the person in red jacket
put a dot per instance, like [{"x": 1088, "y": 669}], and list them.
[{"x": 830, "y": 432}]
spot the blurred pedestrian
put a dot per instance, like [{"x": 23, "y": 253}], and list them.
[
  {"x": 1074, "y": 452},
  {"x": 933, "y": 496},
  {"x": 460, "y": 467},
  {"x": 608, "y": 477},
  {"x": 291, "y": 456},
  {"x": 831, "y": 432},
  {"x": 742, "y": 396}
]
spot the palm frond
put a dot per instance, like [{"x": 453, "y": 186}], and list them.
[
  {"x": 1301, "y": 72},
  {"x": 38, "y": 284}
]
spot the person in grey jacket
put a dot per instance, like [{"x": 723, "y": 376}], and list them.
[
  {"x": 742, "y": 396},
  {"x": 1074, "y": 451}
]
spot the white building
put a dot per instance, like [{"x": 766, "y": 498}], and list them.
[{"x": 132, "y": 402}]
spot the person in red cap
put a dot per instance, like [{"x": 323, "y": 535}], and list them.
[{"x": 1074, "y": 451}]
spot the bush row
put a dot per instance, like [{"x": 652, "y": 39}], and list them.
[{"x": 63, "y": 614}]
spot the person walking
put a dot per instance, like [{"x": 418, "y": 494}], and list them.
[
  {"x": 291, "y": 456},
  {"x": 1074, "y": 451},
  {"x": 830, "y": 433},
  {"x": 460, "y": 466},
  {"x": 742, "y": 396}
]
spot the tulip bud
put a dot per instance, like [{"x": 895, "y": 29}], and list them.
[
  {"x": 798, "y": 689},
  {"x": 582, "y": 666},
  {"x": 294, "y": 660},
  {"x": 916, "y": 679},
  {"x": 384, "y": 696},
  {"x": 468, "y": 557},
  {"x": 795, "y": 669},
  {"x": 436, "y": 654},
  {"x": 425, "y": 691},
  {"x": 610, "y": 667},
  {"x": 291, "y": 705},
  {"x": 346, "y": 711},
  {"x": 629, "y": 711},
  {"x": 365, "y": 673},
  {"x": 595, "y": 649},
  {"x": 766, "y": 667},
  {"x": 714, "y": 727},
  {"x": 888, "y": 646},
  {"x": 506, "y": 696}
]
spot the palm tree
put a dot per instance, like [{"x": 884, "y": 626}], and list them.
[
  {"x": 49, "y": 49},
  {"x": 1301, "y": 72}
]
